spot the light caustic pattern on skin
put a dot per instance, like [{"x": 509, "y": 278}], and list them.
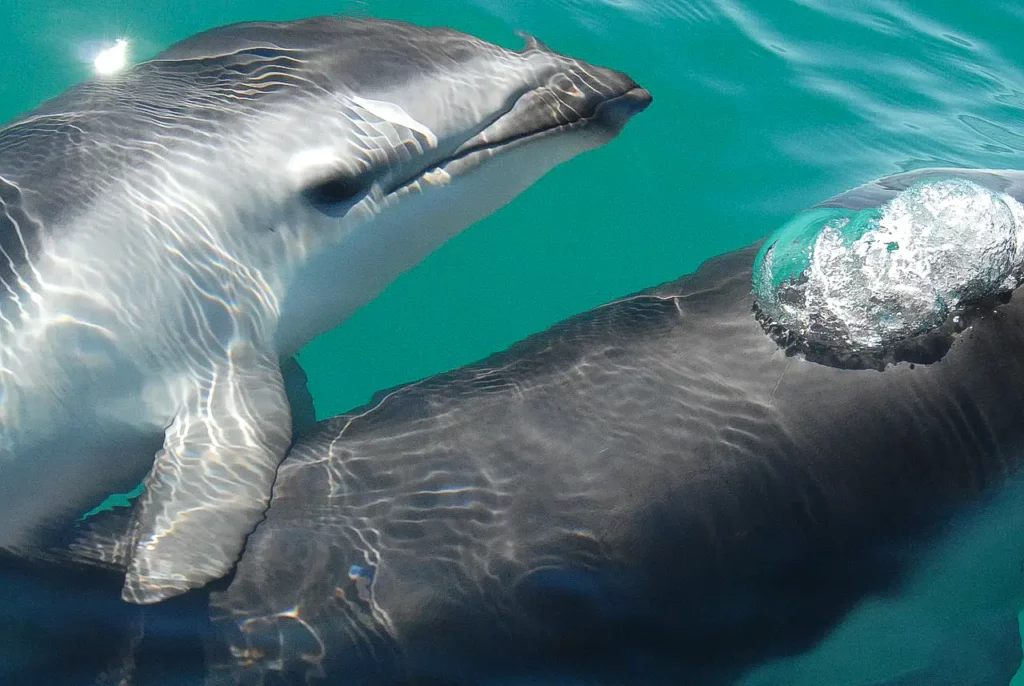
[
  {"x": 865, "y": 279},
  {"x": 169, "y": 232}
]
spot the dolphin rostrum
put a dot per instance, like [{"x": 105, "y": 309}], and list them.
[
  {"x": 664, "y": 489},
  {"x": 170, "y": 233}
]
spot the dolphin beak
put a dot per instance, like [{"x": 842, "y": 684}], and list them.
[
  {"x": 580, "y": 96},
  {"x": 615, "y": 112},
  {"x": 576, "y": 96}
]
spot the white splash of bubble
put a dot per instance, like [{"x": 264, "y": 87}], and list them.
[{"x": 931, "y": 250}]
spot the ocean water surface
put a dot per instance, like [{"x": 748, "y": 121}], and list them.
[{"x": 761, "y": 109}]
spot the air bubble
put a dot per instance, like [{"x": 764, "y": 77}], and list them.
[{"x": 862, "y": 281}]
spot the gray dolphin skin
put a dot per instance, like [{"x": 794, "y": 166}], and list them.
[
  {"x": 653, "y": 491},
  {"x": 170, "y": 233}
]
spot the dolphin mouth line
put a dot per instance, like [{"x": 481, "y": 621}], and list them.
[
  {"x": 477, "y": 150},
  {"x": 634, "y": 94}
]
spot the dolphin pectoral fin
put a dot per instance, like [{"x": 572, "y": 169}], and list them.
[{"x": 211, "y": 482}]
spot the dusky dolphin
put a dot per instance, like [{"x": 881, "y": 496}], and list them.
[
  {"x": 170, "y": 233},
  {"x": 660, "y": 490}
]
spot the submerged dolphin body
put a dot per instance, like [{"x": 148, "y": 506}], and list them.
[
  {"x": 168, "y": 234},
  {"x": 650, "y": 492}
]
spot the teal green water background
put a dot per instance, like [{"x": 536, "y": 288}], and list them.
[{"x": 760, "y": 110}]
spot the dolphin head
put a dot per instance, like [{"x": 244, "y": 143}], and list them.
[
  {"x": 309, "y": 162},
  {"x": 374, "y": 110},
  {"x": 377, "y": 141}
]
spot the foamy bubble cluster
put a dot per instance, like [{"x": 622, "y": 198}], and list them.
[{"x": 866, "y": 280}]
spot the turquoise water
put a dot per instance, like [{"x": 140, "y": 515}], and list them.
[{"x": 758, "y": 113}]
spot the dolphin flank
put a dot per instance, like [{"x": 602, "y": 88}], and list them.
[{"x": 169, "y": 234}]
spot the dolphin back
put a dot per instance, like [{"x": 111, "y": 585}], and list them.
[{"x": 654, "y": 472}]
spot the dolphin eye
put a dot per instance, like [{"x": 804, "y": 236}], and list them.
[{"x": 333, "y": 196}]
